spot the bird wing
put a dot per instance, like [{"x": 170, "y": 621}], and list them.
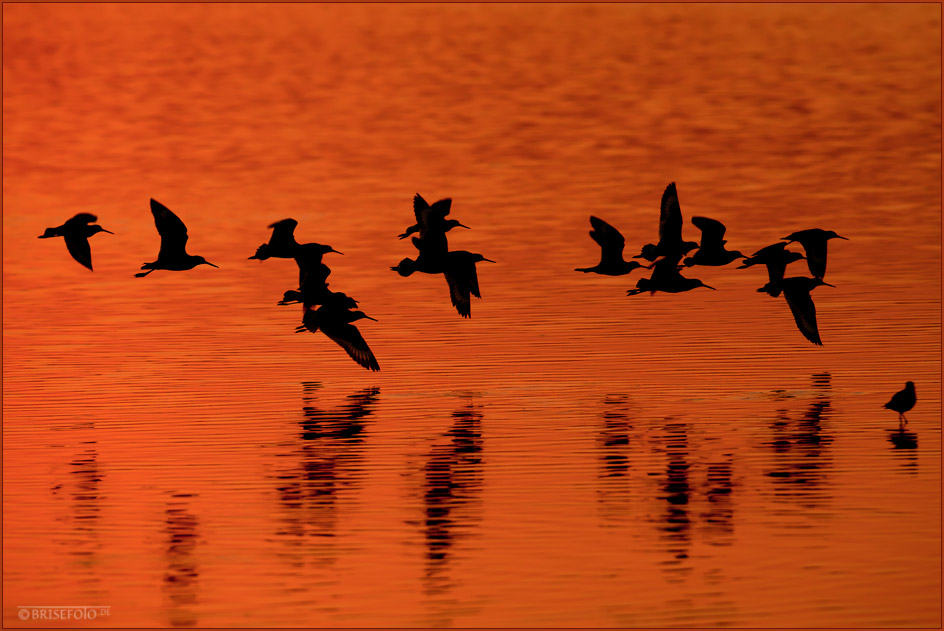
[
  {"x": 670, "y": 218},
  {"x": 609, "y": 239},
  {"x": 350, "y": 339},
  {"x": 440, "y": 209},
  {"x": 78, "y": 247},
  {"x": 82, "y": 219},
  {"x": 283, "y": 232},
  {"x": 665, "y": 271},
  {"x": 172, "y": 230},
  {"x": 804, "y": 312},
  {"x": 420, "y": 209},
  {"x": 712, "y": 232}
]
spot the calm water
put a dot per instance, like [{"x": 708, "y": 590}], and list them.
[{"x": 568, "y": 456}]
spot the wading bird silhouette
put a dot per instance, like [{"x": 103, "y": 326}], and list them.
[
  {"x": 711, "y": 250},
  {"x": 670, "y": 230},
  {"x": 903, "y": 401},
  {"x": 173, "y": 253},
  {"x": 334, "y": 318},
  {"x": 796, "y": 291},
  {"x": 666, "y": 277},
  {"x": 611, "y": 244},
  {"x": 814, "y": 243},
  {"x": 76, "y": 233},
  {"x": 776, "y": 258}
]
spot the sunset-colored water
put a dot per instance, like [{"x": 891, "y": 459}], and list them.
[{"x": 568, "y": 456}]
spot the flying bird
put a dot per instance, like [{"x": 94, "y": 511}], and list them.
[
  {"x": 281, "y": 244},
  {"x": 431, "y": 217},
  {"x": 796, "y": 291},
  {"x": 666, "y": 277},
  {"x": 611, "y": 244},
  {"x": 814, "y": 243},
  {"x": 173, "y": 253},
  {"x": 711, "y": 250},
  {"x": 903, "y": 401},
  {"x": 458, "y": 267},
  {"x": 334, "y": 318},
  {"x": 670, "y": 230},
  {"x": 776, "y": 258},
  {"x": 76, "y": 232}
]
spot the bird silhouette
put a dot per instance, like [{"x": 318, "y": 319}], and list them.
[
  {"x": 903, "y": 401},
  {"x": 282, "y": 243},
  {"x": 173, "y": 253},
  {"x": 458, "y": 267},
  {"x": 666, "y": 277},
  {"x": 776, "y": 258},
  {"x": 711, "y": 250},
  {"x": 334, "y": 318},
  {"x": 814, "y": 243},
  {"x": 76, "y": 233},
  {"x": 611, "y": 244},
  {"x": 796, "y": 291},
  {"x": 670, "y": 230},
  {"x": 428, "y": 217}
]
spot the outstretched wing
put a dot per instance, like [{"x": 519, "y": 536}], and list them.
[
  {"x": 172, "y": 230},
  {"x": 420, "y": 209},
  {"x": 78, "y": 247},
  {"x": 283, "y": 232},
  {"x": 82, "y": 219},
  {"x": 440, "y": 209},
  {"x": 609, "y": 239},
  {"x": 712, "y": 232},
  {"x": 670, "y": 218},
  {"x": 804, "y": 312},
  {"x": 350, "y": 339},
  {"x": 460, "y": 293}
]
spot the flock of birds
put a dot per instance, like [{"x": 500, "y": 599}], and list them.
[
  {"x": 333, "y": 313},
  {"x": 666, "y": 260}
]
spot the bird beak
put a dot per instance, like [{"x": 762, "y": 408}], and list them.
[
  {"x": 827, "y": 284},
  {"x": 335, "y": 251},
  {"x": 843, "y": 238},
  {"x": 370, "y": 318},
  {"x": 462, "y": 225},
  {"x": 708, "y": 286},
  {"x": 108, "y": 231},
  {"x": 485, "y": 259},
  {"x": 211, "y": 264}
]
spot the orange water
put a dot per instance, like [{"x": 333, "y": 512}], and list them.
[{"x": 566, "y": 457}]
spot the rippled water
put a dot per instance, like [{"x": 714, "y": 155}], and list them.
[{"x": 566, "y": 457}]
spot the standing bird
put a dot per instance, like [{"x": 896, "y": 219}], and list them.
[
  {"x": 670, "y": 230},
  {"x": 334, "y": 318},
  {"x": 76, "y": 232},
  {"x": 611, "y": 244},
  {"x": 776, "y": 257},
  {"x": 796, "y": 291},
  {"x": 814, "y": 243},
  {"x": 431, "y": 217},
  {"x": 666, "y": 277},
  {"x": 173, "y": 253},
  {"x": 903, "y": 401},
  {"x": 711, "y": 250}
]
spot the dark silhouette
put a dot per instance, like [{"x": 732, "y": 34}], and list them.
[
  {"x": 281, "y": 244},
  {"x": 611, "y": 244},
  {"x": 431, "y": 217},
  {"x": 76, "y": 232},
  {"x": 903, "y": 401},
  {"x": 334, "y": 318},
  {"x": 776, "y": 257},
  {"x": 173, "y": 253},
  {"x": 181, "y": 579},
  {"x": 312, "y": 275},
  {"x": 796, "y": 291},
  {"x": 711, "y": 250},
  {"x": 670, "y": 230},
  {"x": 901, "y": 439},
  {"x": 814, "y": 243},
  {"x": 666, "y": 277}
]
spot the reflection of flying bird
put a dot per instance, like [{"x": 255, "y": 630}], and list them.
[
  {"x": 666, "y": 277},
  {"x": 776, "y": 257},
  {"x": 814, "y": 243},
  {"x": 611, "y": 244},
  {"x": 334, "y": 318},
  {"x": 670, "y": 230},
  {"x": 431, "y": 217},
  {"x": 76, "y": 232},
  {"x": 903, "y": 401},
  {"x": 796, "y": 291},
  {"x": 173, "y": 253},
  {"x": 711, "y": 251}
]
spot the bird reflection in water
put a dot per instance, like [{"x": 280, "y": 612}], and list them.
[
  {"x": 452, "y": 484},
  {"x": 613, "y": 445},
  {"x": 904, "y": 445},
  {"x": 181, "y": 576},
  {"x": 802, "y": 448},
  {"x": 676, "y": 524},
  {"x": 327, "y": 461},
  {"x": 86, "y": 476}
]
